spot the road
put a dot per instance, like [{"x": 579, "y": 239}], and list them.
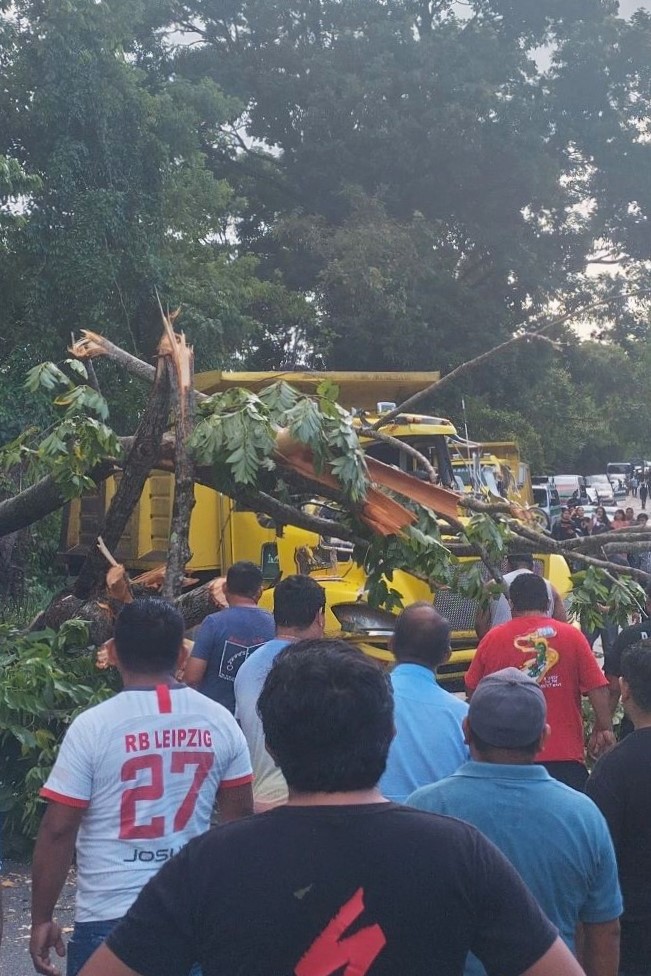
[{"x": 16, "y": 894}]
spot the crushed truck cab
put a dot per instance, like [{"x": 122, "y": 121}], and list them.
[{"x": 223, "y": 532}]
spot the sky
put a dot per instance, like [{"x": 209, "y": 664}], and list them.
[{"x": 626, "y": 7}]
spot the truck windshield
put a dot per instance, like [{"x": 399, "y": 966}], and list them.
[{"x": 433, "y": 447}]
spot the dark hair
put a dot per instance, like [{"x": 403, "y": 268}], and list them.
[
  {"x": 529, "y": 592},
  {"x": 485, "y": 749},
  {"x": 636, "y": 671},
  {"x": 327, "y": 715},
  {"x": 244, "y": 579},
  {"x": 520, "y": 559},
  {"x": 421, "y": 634},
  {"x": 297, "y": 600},
  {"x": 148, "y": 635}
]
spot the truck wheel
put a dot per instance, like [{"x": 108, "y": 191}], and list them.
[{"x": 541, "y": 518}]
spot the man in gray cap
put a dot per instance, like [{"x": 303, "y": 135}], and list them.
[{"x": 555, "y": 837}]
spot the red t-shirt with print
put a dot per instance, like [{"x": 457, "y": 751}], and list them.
[{"x": 560, "y": 659}]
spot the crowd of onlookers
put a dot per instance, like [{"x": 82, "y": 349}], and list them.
[
  {"x": 344, "y": 868},
  {"x": 575, "y": 523}
]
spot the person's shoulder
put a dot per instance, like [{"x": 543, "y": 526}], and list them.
[
  {"x": 259, "y": 662},
  {"x": 497, "y": 633},
  {"x": 628, "y": 753},
  {"x": 456, "y": 705},
  {"x": 249, "y": 613},
  {"x": 93, "y": 728},
  {"x": 98, "y": 715},
  {"x": 633, "y": 633},
  {"x": 569, "y": 633},
  {"x": 191, "y": 700},
  {"x": 432, "y": 797},
  {"x": 620, "y": 767},
  {"x": 577, "y": 808}
]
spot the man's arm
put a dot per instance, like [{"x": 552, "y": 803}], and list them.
[
  {"x": 55, "y": 846},
  {"x": 195, "y": 667},
  {"x": 483, "y": 621},
  {"x": 557, "y": 961},
  {"x": 234, "y": 802},
  {"x": 194, "y": 671},
  {"x": 559, "y": 612},
  {"x": 603, "y": 737},
  {"x": 103, "y": 962},
  {"x": 601, "y": 948}
]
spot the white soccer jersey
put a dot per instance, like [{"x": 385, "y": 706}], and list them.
[{"x": 145, "y": 766}]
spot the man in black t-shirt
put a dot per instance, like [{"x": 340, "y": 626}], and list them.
[
  {"x": 338, "y": 881},
  {"x": 565, "y": 529},
  {"x": 629, "y": 636},
  {"x": 620, "y": 785}
]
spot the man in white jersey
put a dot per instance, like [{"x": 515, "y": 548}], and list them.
[
  {"x": 299, "y": 604},
  {"x": 499, "y": 610},
  {"x": 136, "y": 777}
]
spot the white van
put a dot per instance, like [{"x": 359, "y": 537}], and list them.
[{"x": 571, "y": 487}]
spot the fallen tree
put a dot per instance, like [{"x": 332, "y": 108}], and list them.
[{"x": 269, "y": 452}]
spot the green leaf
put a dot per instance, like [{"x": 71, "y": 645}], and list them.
[
  {"x": 77, "y": 367},
  {"x": 46, "y": 376}
]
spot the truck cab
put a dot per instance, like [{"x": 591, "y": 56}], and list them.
[{"x": 223, "y": 532}]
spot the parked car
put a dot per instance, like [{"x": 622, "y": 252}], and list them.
[{"x": 604, "y": 488}]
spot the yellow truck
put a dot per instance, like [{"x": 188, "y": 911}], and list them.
[
  {"x": 222, "y": 532},
  {"x": 495, "y": 468}
]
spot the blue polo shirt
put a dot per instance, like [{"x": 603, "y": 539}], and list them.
[
  {"x": 429, "y": 739},
  {"x": 554, "y": 836}
]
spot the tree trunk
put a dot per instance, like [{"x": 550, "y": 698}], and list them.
[
  {"x": 180, "y": 373},
  {"x": 138, "y": 464}
]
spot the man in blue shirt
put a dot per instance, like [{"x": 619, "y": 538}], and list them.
[
  {"x": 226, "y": 639},
  {"x": 555, "y": 837},
  {"x": 299, "y": 605},
  {"x": 429, "y": 742}
]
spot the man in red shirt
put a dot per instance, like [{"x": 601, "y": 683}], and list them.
[{"x": 559, "y": 658}]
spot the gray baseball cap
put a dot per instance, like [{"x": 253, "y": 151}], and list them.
[{"x": 507, "y": 709}]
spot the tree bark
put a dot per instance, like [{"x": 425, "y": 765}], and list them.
[
  {"x": 180, "y": 373},
  {"x": 139, "y": 462},
  {"x": 198, "y": 603},
  {"x": 92, "y": 345}
]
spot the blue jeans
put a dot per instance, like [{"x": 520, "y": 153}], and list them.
[{"x": 88, "y": 936}]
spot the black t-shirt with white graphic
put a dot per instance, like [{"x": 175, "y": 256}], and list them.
[
  {"x": 613, "y": 659},
  {"x": 376, "y": 889},
  {"x": 626, "y": 638}
]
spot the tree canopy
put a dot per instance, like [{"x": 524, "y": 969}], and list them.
[{"x": 342, "y": 183}]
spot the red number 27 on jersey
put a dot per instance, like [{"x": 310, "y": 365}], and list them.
[{"x": 155, "y": 789}]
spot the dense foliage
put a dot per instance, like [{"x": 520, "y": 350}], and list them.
[
  {"x": 341, "y": 182},
  {"x": 47, "y": 679}
]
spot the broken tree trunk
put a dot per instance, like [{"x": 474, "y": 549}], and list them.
[
  {"x": 139, "y": 462},
  {"x": 179, "y": 364}
]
